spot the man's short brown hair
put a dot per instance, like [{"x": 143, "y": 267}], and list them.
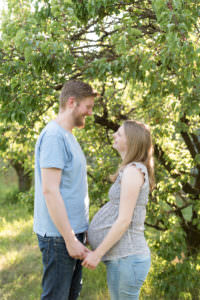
[{"x": 76, "y": 89}]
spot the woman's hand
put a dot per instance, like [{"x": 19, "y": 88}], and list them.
[{"x": 91, "y": 261}]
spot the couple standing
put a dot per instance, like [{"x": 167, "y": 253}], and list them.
[{"x": 61, "y": 210}]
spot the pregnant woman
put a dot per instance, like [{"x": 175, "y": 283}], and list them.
[{"x": 116, "y": 232}]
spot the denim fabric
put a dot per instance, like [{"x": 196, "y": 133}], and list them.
[
  {"x": 126, "y": 275},
  {"x": 61, "y": 273}
]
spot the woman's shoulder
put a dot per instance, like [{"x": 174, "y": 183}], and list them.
[
  {"x": 136, "y": 170},
  {"x": 131, "y": 171},
  {"x": 135, "y": 165},
  {"x": 133, "y": 168}
]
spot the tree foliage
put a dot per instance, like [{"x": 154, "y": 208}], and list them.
[{"x": 144, "y": 58}]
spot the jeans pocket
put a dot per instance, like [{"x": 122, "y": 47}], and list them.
[
  {"x": 43, "y": 242},
  {"x": 44, "y": 245},
  {"x": 140, "y": 270}
]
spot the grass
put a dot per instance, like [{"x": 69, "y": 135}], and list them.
[
  {"x": 21, "y": 266},
  {"x": 20, "y": 257},
  {"x": 21, "y": 262}
]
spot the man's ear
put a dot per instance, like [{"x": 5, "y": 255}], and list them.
[{"x": 71, "y": 102}]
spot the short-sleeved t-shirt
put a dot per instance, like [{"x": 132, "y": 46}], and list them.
[{"x": 58, "y": 148}]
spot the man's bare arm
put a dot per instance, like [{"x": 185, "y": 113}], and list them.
[{"x": 51, "y": 178}]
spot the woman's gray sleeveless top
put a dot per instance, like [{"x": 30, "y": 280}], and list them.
[{"x": 133, "y": 240}]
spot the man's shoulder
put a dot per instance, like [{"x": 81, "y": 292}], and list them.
[{"x": 52, "y": 130}]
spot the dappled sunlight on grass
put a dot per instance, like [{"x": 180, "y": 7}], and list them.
[
  {"x": 21, "y": 263},
  {"x": 20, "y": 260},
  {"x": 20, "y": 272},
  {"x": 13, "y": 215},
  {"x": 14, "y": 235},
  {"x": 13, "y": 229}
]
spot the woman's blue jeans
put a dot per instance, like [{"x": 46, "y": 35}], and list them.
[
  {"x": 126, "y": 275},
  {"x": 61, "y": 273}
]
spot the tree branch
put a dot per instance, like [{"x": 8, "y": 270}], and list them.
[
  {"x": 160, "y": 155},
  {"x": 196, "y": 141},
  {"x": 187, "y": 139},
  {"x": 156, "y": 226}
]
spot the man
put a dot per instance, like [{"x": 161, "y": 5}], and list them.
[{"x": 61, "y": 194}]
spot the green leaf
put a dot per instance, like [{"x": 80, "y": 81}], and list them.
[{"x": 187, "y": 213}]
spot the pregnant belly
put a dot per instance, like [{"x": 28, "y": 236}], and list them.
[
  {"x": 96, "y": 235},
  {"x": 98, "y": 229},
  {"x": 101, "y": 224}
]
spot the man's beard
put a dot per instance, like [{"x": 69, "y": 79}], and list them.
[{"x": 79, "y": 120}]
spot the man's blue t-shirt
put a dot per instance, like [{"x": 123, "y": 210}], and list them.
[{"x": 58, "y": 148}]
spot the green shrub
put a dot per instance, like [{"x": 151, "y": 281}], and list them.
[
  {"x": 11, "y": 196},
  {"x": 27, "y": 199},
  {"x": 178, "y": 279}
]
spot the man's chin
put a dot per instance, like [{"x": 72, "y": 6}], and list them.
[{"x": 80, "y": 124}]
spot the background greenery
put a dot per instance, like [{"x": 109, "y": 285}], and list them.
[
  {"x": 21, "y": 267},
  {"x": 144, "y": 59}
]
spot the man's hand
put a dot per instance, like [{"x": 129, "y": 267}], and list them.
[
  {"x": 76, "y": 249},
  {"x": 91, "y": 261}
]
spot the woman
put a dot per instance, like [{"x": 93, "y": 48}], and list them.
[{"x": 117, "y": 230}]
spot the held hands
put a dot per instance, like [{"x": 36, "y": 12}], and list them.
[
  {"x": 91, "y": 260},
  {"x": 76, "y": 249}
]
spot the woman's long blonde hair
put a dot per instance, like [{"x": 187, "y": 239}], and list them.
[{"x": 139, "y": 148}]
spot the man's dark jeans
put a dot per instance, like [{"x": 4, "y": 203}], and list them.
[{"x": 61, "y": 273}]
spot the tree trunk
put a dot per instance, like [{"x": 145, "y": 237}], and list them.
[
  {"x": 192, "y": 239},
  {"x": 24, "y": 176}
]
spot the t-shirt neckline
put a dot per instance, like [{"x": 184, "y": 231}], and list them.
[{"x": 63, "y": 129}]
